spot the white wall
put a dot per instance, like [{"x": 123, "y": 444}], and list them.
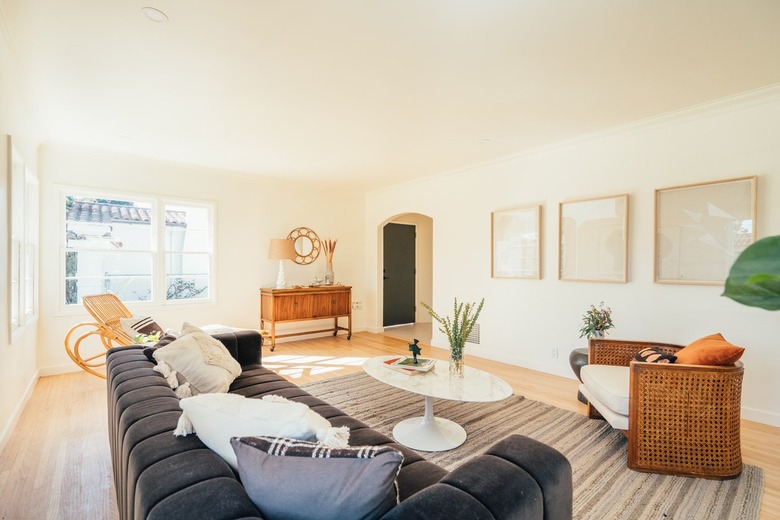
[
  {"x": 524, "y": 320},
  {"x": 250, "y": 211},
  {"x": 18, "y": 369}
]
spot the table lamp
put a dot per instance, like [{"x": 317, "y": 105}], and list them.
[{"x": 281, "y": 249}]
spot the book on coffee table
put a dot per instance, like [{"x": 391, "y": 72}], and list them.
[{"x": 406, "y": 364}]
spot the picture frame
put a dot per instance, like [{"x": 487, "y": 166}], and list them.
[
  {"x": 593, "y": 239},
  {"x": 516, "y": 243},
  {"x": 700, "y": 229}
]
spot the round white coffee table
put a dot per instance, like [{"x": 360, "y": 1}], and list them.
[{"x": 429, "y": 433}]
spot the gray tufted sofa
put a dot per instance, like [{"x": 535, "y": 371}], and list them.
[{"x": 159, "y": 476}]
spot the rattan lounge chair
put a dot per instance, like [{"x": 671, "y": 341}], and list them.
[
  {"x": 106, "y": 309},
  {"x": 682, "y": 419}
]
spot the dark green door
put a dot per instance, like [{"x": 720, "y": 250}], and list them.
[{"x": 399, "y": 274}]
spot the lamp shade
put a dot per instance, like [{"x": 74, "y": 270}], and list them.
[{"x": 281, "y": 249}]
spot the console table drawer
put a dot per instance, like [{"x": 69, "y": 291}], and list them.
[
  {"x": 293, "y": 307},
  {"x": 327, "y": 305},
  {"x": 303, "y": 304}
]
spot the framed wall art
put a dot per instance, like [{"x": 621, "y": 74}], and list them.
[
  {"x": 516, "y": 250},
  {"x": 700, "y": 229},
  {"x": 593, "y": 239}
]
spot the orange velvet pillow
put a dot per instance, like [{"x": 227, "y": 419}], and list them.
[{"x": 710, "y": 350}]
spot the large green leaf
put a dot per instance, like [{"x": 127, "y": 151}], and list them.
[{"x": 754, "y": 278}]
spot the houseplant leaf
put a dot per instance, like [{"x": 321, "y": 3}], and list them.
[{"x": 754, "y": 278}]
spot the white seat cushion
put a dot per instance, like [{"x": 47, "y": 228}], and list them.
[
  {"x": 617, "y": 421},
  {"x": 609, "y": 385}
]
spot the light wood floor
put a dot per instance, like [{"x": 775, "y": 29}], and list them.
[{"x": 56, "y": 464}]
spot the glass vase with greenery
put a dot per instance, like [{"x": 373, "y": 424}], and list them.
[
  {"x": 596, "y": 321},
  {"x": 457, "y": 329}
]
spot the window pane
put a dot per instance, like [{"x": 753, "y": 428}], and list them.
[
  {"x": 187, "y": 229},
  {"x": 16, "y": 295},
  {"x": 128, "y": 275},
  {"x": 29, "y": 280},
  {"x": 187, "y": 276},
  {"x": 107, "y": 224}
]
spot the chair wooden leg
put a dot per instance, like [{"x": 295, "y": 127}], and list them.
[
  {"x": 593, "y": 413},
  {"x": 94, "y": 364}
]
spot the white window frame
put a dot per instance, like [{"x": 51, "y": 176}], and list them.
[
  {"x": 31, "y": 268},
  {"x": 157, "y": 247},
  {"x": 211, "y": 209},
  {"x": 23, "y": 205}
]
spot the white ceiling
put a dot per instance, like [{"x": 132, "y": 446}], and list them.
[{"x": 374, "y": 92}]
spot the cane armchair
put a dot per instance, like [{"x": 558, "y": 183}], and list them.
[
  {"x": 107, "y": 310},
  {"x": 682, "y": 419}
]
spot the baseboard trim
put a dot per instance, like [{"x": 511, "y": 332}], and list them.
[
  {"x": 14, "y": 419},
  {"x": 761, "y": 416},
  {"x": 56, "y": 370}
]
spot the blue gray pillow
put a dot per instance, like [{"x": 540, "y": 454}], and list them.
[{"x": 289, "y": 479}]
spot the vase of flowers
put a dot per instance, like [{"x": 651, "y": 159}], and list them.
[
  {"x": 330, "y": 247},
  {"x": 457, "y": 329},
  {"x": 596, "y": 321}
]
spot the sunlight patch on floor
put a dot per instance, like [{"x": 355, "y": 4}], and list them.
[
  {"x": 294, "y": 373},
  {"x": 296, "y": 359},
  {"x": 295, "y": 367},
  {"x": 323, "y": 370},
  {"x": 346, "y": 361}
]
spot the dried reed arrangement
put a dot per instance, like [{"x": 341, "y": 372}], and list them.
[{"x": 330, "y": 247}]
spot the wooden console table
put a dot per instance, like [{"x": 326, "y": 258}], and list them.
[{"x": 305, "y": 304}]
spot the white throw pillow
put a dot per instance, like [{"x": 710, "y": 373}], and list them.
[
  {"x": 218, "y": 417},
  {"x": 201, "y": 359},
  {"x": 140, "y": 325}
]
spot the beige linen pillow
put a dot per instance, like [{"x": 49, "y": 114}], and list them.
[{"x": 202, "y": 360}]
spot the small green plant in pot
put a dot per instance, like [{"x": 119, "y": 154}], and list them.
[
  {"x": 596, "y": 322},
  {"x": 457, "y": 329}
]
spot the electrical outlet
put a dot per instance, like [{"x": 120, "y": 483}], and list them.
[
  {"x": 357, "y": 306},
  {"x": 555, "y": 352}
]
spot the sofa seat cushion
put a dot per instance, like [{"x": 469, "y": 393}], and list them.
[
  {"x": 609, "y": 385},
  {"x": 616, "y": 420}
]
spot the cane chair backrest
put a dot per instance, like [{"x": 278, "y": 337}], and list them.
[{"x": 107, "y": 309}]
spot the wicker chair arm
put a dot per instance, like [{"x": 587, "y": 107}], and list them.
[
  {"x": 681, "y": 415},
  {"x": 621, "y": 352}
]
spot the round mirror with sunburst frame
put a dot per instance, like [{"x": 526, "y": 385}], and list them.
[{"x": 307, "y": 245}]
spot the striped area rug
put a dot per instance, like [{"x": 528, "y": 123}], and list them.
[{"x": 604, "y": 487}]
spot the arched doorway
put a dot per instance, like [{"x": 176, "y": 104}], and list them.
[{"x": 406, "y": 273}]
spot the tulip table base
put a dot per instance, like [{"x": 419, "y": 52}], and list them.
[{"x": 429, "y": 433}]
